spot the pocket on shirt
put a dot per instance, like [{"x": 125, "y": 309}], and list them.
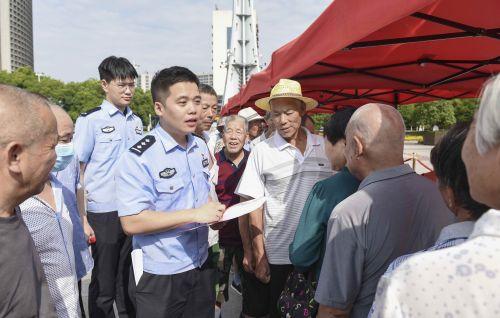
[
  {"x": 169, "y": 190},
  {"x": 107, "y": 146}
]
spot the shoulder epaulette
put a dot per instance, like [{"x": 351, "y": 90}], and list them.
[
  {"x": 93, "y": 110},
  {"x": 142, "y": 145}
]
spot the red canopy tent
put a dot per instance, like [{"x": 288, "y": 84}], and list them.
[{"x": 390, "y": 51}]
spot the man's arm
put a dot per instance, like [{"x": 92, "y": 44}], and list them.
[
  {"x": 262, "y": 271},
  {"x": 244, "y": 227},
  {"x": 81, "y": 200},
  {"x": 147, "y": 221}
]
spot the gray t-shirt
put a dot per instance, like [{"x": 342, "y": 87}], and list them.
[
  {"x": 24, "y": 291},
  {"x": 394, "y": 212}
]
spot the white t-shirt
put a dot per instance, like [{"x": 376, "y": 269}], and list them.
[{"x": 280, "y": 172}]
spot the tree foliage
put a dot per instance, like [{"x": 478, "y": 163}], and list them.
[
  {"x": 74, "y": 97},
  {"x": 443, "y": 113}
]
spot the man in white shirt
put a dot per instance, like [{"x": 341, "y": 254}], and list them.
[
  {"x": 282, "y": 168},
  {"x": 460, "y": 281}
]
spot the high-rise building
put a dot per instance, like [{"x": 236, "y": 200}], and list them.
[
  {"x": 144, "y": 81},
  {"x": 235, "y": 48},
  {"x": 16, "y": 34},
  {"x": 207, "y": 79},
  {"x": 222, "y": 21}
]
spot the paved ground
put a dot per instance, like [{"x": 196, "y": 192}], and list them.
[{"x": 232, "y": 308}]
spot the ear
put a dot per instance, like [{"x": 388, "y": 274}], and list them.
[
  {"x": 358, "y": 147},
  {"x": 13, "y": 153},
  {"x": 159, "y": 108},
  {"x": 449, "y": 197},
  {"x": 104, "y": 85}
]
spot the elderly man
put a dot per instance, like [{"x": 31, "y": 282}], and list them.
[
  {"x": 28, "y": 135},
  {"x": 394, "y": 212},
  {"x": 462, "y": 280},
  {"x": 283, "y": 169},
  {"x": 232, "y": 160},
  {"x": 67, "y": 172}
]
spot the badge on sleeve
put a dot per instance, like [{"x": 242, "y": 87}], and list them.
[
  {"x": 204, "y": 161},
  {"x": 167, "y": 173},
  {"x": 138, "y": 130},
  {"x": 108, "y": 129}
]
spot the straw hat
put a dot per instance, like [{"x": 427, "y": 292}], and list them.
[
  {"x": 250, "y": 114},
  {"x": 286, "y": 88}
]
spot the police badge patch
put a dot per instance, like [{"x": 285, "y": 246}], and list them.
[
  {"x": 204, "y": 161},
  {"x": 167, "y": 173},
  {"x": 138, "y": 130},
  {"x": 108, "y": 129}
]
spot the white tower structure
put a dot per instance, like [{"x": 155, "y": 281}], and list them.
[{"x": 243, "y": 54}]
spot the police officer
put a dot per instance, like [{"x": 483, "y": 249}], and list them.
[
  {"x": 101, "y": 136},
  {"x": 163, "y": 200}
]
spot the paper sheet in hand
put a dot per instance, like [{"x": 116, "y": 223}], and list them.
[
  {"x": 243, "y": 208},
  {"x": 137, "y": 265}
]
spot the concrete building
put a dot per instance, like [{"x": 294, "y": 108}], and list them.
[
  {"x": 144, "y": 81},
  {"x": 222, "y": 21},
  {"x": 16, "y": 34},
  {"x": 207, "y": 79}
]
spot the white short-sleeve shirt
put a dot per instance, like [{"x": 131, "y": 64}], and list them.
[
  {"x": 460, "y": 281},
  {"x": 280, "y": 172}
]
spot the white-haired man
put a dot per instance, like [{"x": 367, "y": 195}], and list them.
[
  {"x": 461, "y": 281},
  {"x": 394, "y": 212}
]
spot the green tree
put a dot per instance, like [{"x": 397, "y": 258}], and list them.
[
  {"x": 440, "y": 113},
  {"x": 464, "y": 109},
  {"x": 407, "y": 112},
  {"x": 320, "y": 120}
]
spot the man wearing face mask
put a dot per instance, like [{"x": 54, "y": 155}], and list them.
[
  {"x": 47, "y": 216},
  {"x": 67, "y": 171}
]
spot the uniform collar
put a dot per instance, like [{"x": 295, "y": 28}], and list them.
[
  {"x": 487, "y": 225},
  {"x": 112, "y": 109},
  {"x": 385, "y": 174},
  {"x": 281, "y": 143},
  {"x": 169, "y": 143}
]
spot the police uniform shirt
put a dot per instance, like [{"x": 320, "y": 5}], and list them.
[
  {"x": 158, "y": 174},
  {"x": 101, "y": 136}
]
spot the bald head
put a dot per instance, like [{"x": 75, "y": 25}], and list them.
[
  {"x": 24, "y": 117},
  {"x": 65, "y": 125},
  {"x": 375, "y": 133}
]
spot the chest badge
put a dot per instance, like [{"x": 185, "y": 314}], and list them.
[
  {"x": 108, "y": 129},
  {"x": 138, "y": 130},
  {"x": 204, "y": 161},
  {"x": 167, "y": 173}
]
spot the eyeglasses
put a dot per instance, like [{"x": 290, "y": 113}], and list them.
[{"x": 123, "y": 86}]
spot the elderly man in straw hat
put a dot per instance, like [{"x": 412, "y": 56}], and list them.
[{"x": 283, "y": 169}]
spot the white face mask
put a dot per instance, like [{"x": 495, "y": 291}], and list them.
[{"x": 64, "y": 154}]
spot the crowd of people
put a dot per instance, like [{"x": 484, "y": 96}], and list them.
[{"x": 347, "y": 229}]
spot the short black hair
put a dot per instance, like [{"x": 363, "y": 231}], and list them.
[
  {"x": 306, "y": 117},
  {"x": 113, "y": 67},
  {"x": 207, "y": 89},
  {"x": 450, "y": 169},
  {"x": 335, "y": 127},
  {"x": 167, "y": 77}
]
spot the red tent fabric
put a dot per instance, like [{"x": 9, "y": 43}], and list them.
[{"x": 389, "y": 51}]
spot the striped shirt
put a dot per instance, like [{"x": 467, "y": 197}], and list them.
[
  {"x": 280, "y": 172},
  {"x": 52, "y": 233}
]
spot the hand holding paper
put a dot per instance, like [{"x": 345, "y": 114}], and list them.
[{"x": 243, "y": 208}]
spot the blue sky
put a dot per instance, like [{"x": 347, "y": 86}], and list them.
[{"x": 71, "y": 37}]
